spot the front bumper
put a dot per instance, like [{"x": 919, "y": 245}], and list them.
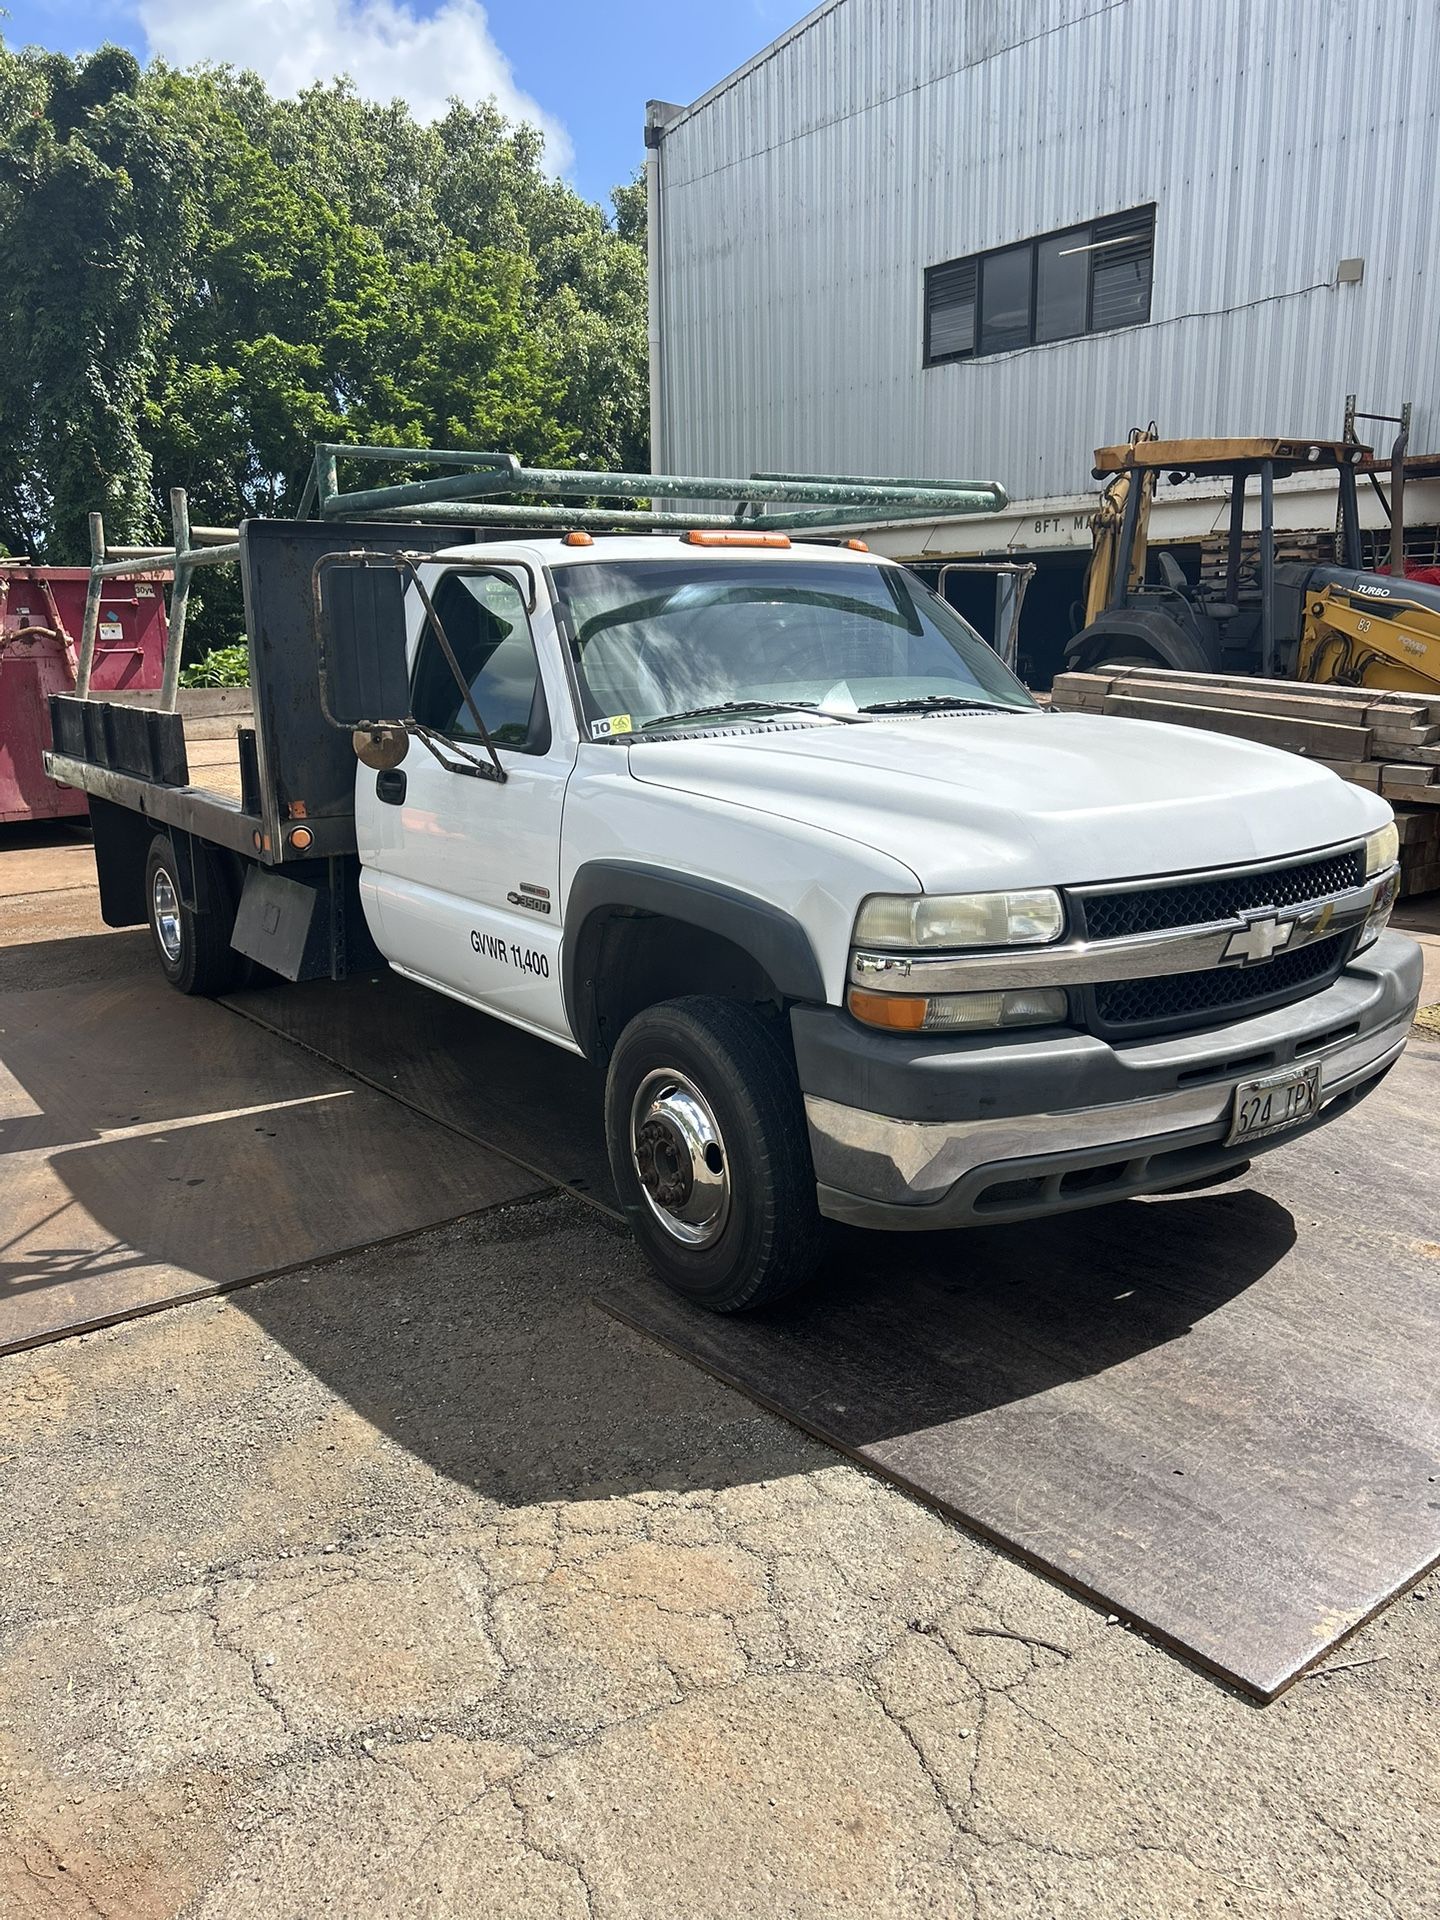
[{"x": 1006, "y": 1127}]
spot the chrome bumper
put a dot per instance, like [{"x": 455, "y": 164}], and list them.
[{"x": 874, "y": 1169}]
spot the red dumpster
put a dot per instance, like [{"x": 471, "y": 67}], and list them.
[{"x": 42, "y": 611}]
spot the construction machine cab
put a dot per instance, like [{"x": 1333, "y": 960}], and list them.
[{"x": 1249, "y": 621}]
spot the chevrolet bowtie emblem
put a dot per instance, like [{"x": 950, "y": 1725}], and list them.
[{"x": 1259, "y": 940}]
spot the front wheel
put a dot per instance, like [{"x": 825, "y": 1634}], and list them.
[{"x": 706, "y": 1130}]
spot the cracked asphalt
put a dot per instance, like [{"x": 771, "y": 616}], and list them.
[{"x": 412, "y": 1585}]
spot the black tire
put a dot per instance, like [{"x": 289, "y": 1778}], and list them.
[
  {"x": 193, "y": 949},
  {"x": 767, "y": 1235}
]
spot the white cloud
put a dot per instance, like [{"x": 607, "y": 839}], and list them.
[{"x": 387, "y": 49}]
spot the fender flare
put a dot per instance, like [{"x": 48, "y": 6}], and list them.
[
  {"x": 1163, "y": 637},
  {"x": 774, "y": 939}
]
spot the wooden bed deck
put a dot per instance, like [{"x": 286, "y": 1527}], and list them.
[{"x": 212, "y": 754}]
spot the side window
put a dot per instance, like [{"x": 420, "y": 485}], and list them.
[{"x": 486, "y": 624}]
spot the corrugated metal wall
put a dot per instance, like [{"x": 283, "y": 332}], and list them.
[{"x": 802, "y": 200}]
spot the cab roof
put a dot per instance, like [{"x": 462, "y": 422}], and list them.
[
  {"x": 549, "y": 551},
  {"x": 1207, "y": 457}
]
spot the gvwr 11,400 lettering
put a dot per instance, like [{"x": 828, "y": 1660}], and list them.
[{"x": 491, "y": 947}]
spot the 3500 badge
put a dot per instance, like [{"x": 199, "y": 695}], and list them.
[{"x": 525, "y": 959}]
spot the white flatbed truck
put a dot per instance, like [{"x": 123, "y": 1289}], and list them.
[{"x": 856, "y": 928}]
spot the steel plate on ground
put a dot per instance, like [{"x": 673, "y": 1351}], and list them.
[
  {"x": 489, "y": 1081},
  {"x": 153, "y": 1148}
]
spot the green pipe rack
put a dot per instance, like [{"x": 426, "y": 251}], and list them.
[{"x": 542, "y": 496}]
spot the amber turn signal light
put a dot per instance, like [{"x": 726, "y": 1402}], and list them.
[{"x": 904, "y": 1012}]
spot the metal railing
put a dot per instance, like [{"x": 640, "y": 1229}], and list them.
[
  {"x": 194, "y": 547},
  {"x": 781, "y": 503}
]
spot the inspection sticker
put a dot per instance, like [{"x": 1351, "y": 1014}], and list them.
[{"x": 607, "y": 729}]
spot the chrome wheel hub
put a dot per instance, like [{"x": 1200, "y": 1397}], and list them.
[
  {"x": 165, "y": 915},
  {"x": 680, "y": 1157}
]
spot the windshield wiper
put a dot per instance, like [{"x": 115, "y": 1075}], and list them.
[
  {"x": 749, "y": 706},
  {"x": 937, "y": 703}
]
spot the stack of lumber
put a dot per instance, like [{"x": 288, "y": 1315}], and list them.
[
  {"x": 1315, "y": 549},
  {"x": 1419, "y": 849},
  {"x": 1386, "y": 741}
]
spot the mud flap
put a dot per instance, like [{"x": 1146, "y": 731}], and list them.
[{"x": 305, "y": 923}]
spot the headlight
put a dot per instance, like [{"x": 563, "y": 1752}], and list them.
[
  {"x": 959, "y": 1012},
  {"x": 1379, "y": 917},
  {"x": 1382, "y": 849},
  {"x": 1024, "y": 919}
]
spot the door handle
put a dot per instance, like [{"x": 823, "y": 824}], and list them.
[{"x": 390, "y": 786}]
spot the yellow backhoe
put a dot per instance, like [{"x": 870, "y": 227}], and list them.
[{"x": 1295, "y": 620}]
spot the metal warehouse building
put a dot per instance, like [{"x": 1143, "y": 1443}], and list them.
[{"x": 982, "y": 237}]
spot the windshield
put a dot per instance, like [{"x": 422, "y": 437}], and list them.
[{"x": 658, "y": 640}]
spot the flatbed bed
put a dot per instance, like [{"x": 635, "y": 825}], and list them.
[{"x": 273, "y": 768}]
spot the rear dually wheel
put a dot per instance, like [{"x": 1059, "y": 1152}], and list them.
[{"x": 193, "y": 948}]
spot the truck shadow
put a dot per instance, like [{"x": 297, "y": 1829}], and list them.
[
  {"x": 502, "y": 1359},
  {"x": 908, "y": 1333}
]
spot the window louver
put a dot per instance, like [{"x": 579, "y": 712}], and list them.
[
  {"x": 1105, "y": 266},
  {"x": 950, "y": 310}
]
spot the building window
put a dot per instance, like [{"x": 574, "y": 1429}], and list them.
[{"x": 1086, "y": 279}]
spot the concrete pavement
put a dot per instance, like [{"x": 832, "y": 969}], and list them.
[{"x": 414, "y": 1586}]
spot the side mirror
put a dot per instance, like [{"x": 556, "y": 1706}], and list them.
[{"x": 360, "y": 629}]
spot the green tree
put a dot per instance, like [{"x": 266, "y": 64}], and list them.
[
  {"x": 203, "y": 279},
  {"x": 99, "y": 208},
  {"x": 459, "y": 361},
  {"x": 272, "y": 347}
]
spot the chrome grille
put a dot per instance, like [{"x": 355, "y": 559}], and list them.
[
  {"x": 1220, "y": 896},
  {"x": 1186, "y": 999}
]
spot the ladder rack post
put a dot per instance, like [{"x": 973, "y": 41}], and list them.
[
  {"x": 90, "y": 626},
  {"x": 179, "y": 600}
]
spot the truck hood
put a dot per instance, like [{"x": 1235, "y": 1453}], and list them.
[{"x": 1026, "y": 798}]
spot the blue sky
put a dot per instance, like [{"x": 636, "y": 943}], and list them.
[{"x": 582, "y": 69}]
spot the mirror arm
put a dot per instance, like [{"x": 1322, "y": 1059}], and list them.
[
  {"x": 467, "y": 763},
  {"x": 454, "y": 665}
]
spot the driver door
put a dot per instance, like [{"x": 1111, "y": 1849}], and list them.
[{"x": 460, "y": 872}]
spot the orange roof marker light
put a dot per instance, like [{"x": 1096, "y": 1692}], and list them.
[
  {"x": 577, "y": 538},
  {"x": 856, "y": 546},
  {"x": 713, "y": 537}
]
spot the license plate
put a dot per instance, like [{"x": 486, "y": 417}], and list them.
[{"x": 1268, "y": 1106}]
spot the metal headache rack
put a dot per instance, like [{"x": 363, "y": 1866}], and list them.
[
  {"x": 765, "y": 502},
  {"x": 479, "y": 494}
]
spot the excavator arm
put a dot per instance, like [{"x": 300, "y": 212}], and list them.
[
  {"x": 1367, "y": 630},
  {"x": 1105, "y": 530}
]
